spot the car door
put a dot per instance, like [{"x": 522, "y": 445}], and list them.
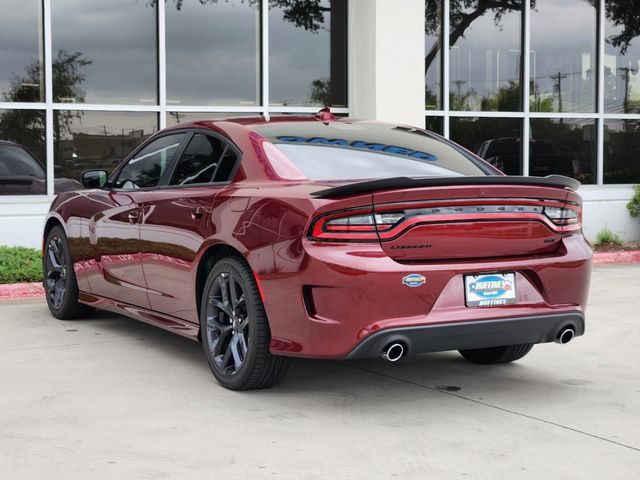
[
  {"x": 177, "y": 220},
  {"x": 115, "y": 231}
]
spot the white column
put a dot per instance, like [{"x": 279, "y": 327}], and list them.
[{"x": 386, "y": 50}]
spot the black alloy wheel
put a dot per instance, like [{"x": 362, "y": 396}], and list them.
[
  {"x": 235, "y": 330},
  {"x": 60, "y": 283}
]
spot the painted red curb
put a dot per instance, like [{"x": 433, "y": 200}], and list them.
[
  {"x": 630, "y": 256},
  {"x": 21, "y": 290}
]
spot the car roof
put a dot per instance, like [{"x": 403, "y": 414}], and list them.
[
  {"x": 260, "y": 120},
  {"x": 7, "y": 142}
]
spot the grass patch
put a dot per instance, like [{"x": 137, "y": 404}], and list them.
[
  {"x": 607, "y": 237},
  {"x": 19, "y": 264}
]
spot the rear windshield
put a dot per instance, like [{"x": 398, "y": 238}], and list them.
[{"x": 354, "y": 151}]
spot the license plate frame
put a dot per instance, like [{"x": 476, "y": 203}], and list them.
[{"x": 495, "y": 289}]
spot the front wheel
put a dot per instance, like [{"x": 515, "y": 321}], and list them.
[
  {"x": 493, "y": 355},
  {"x": 60, "y": 283},
  {"x": 235, "y": 331}
]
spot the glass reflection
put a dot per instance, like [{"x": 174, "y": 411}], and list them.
[
  {"x": 174, "y": 118},
  {"x": 497, "y": 140},
  {"x": 563, "y": 56},
  {"x": 563, "y": 147},
  {"x": 622, "y": 57},
  {"x": 84, "y": 140},
  {"x": 434, "y": 124},
  {"x": 213, "y": 52},
  {"x": 106, "y": 51},
  {"x": 308, "y": 53},
  {"x": 22, "y": 152},
  {"x": 21, "y": 67},
  {"x": 433, "y": 58},
  {"x": 622, "y": 151},
  {"x": 484, "y": 62}
]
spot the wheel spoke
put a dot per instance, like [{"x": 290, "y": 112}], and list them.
[
  {"x": 233, "y": 291},
  {"x": 240, "y": 302},
  {"x": 224, "y": 289},
  {"x": 242, "y": 344},
  {"x": 214, "y": 324},
  {"x": 54, "y": 261},
  {"x": 220, "y": 305},
  {"x": 237, "y": 359}
]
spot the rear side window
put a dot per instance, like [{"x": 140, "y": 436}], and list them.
[
  {"x": 205, "y": 160},
  {"x": 362, "y": 151},
  {"x": 145, "y": 169}
]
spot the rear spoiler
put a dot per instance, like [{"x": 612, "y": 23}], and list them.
[{"x": 395, "y": 183}]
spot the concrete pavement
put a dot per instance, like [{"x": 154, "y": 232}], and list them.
[{"x": 109, "y": 397}]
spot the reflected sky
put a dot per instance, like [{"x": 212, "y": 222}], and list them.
[
  {"x": 19, "y": 43},
  {"x": 622, "y": 65},
  {"x": 564, "y": 47},
  {"x": 485, "y": 61},
  {"x": 213, "y": 53},
  {"x": 298, "y": 57},
  {"x": 119, "y": 38}
]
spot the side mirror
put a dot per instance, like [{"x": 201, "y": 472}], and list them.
[{"x": 94, "y": 178}]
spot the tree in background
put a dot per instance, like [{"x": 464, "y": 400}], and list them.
[{"x": 27, "y": 127}]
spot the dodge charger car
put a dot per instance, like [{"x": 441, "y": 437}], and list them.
[{"x": 321, "y": 238}]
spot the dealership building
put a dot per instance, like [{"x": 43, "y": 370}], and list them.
[{"x": 535, "y": 87}]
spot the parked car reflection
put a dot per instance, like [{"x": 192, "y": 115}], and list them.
[
  {"x": 544, "y": 158},
  {"x": 22, "y": 174}
]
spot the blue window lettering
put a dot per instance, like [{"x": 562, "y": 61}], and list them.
[
  {"x": 292, "y": 139},
  {"x": 397, "y": 150},
  {"x": 328, "y": 141},
  {"x": 423, "y": 156},
  {"x": 368, "y": 146}
]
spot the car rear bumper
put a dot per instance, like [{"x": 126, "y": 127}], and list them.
[
  {"x": 470, "y": 335},
  {"x": 327, "y": 301}
]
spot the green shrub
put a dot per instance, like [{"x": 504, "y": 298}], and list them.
[
  {"x": 634, "y": 204},
  {"x": 607, "y": 237},
  {"x": 19, "y": 264}
]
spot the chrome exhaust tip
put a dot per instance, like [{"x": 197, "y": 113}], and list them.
[
  {"x": 393, "y": 352},
  {"x": 565, "y": 335}
]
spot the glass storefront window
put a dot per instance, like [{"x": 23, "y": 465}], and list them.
[
  {"x": 308, "y": 53},
  {"x": 213, "y": 53},
  {"x": 104, "y": 52},
  {"x": 174, "y": 118},
  {"x": 497, "y": 140},
  {"x": 563, "y": 56},
  {"x": 84, "y": 140},
  {"x": 484, "y": 55},
  {"x": 563, "y": 147},
  {"x": 21, "y": 51},
  {"x": 622, "y": 151},
  {"x": 22, "y": 152},
  {"x": 433, "y": 58},
  {"x": 621, "y": 58},
  {"x": 434, "y": 124}
]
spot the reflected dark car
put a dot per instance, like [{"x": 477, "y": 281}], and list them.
[
  {"x": 321, "y": 238},
  {"x": 22, "y": 174},
  {"x": 505, "y": 154}
]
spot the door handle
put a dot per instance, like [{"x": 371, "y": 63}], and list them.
[
  {"x": 133, "y": 216},
  {"x": 197, "y": 212}
]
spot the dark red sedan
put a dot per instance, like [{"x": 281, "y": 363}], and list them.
[{"x": 321, "y": 238}]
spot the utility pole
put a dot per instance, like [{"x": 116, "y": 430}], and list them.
[
  {"x": 626, "y": 71},
  {"x": 558, "y": 85}
]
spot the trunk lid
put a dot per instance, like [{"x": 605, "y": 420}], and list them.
[{"x": 472, "y": 221}]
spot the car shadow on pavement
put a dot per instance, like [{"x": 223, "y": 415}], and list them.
[{"x": 433, "y": 374}]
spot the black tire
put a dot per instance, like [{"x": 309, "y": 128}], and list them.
[
  {"x": 60, "y": 283},
  {"x": 235, "y": 330},
  {"x": 493, "y": 355}
]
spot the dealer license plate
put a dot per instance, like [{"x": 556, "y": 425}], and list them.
[{"x": 490, "y": 289}]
